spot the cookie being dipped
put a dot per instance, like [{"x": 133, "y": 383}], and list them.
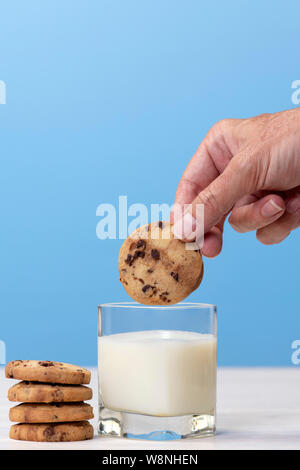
[{"x": 156, "y": 268}]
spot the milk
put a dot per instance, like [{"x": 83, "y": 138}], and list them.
[{"x": 160, "y": 372}]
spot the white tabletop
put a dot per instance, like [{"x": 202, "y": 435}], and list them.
[{"x": 258, "y": 408}]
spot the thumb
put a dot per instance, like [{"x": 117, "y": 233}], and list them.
[{"x": 218, "y": 198}]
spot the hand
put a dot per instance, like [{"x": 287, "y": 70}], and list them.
[{"x": 251, "y": 168}]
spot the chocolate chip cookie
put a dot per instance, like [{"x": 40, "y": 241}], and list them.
[
  {"x": 58, "y": 432},
  {"x": 50, "y": 412},
  {"x": 36, "y": 392},
  {"x": 47, "y": 371},
  {"x": 156, "y": 268}
]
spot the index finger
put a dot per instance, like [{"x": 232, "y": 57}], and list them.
[{"x": 210, "y": 159}]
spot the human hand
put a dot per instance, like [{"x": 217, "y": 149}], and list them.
[{"x": 249, "y": 168}]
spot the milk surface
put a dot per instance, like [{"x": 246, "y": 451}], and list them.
[{"x": 160, "y": 372}]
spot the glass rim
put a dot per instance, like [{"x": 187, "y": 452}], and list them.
[{"x": 179, "y": 306}]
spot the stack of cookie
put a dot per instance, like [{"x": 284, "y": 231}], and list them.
[{"x": 52, "y": 394}]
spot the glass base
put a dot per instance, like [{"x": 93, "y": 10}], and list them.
[{"x": 154, "y": 428}]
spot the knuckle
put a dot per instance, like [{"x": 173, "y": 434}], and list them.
[
  {"x": 219, "y": 128},
  {"x": 237, "y": 220},
  {"x": 253, "y": 162},
  {"x": 224, "y": 124},
  {"x": 236, "y": 226},
  {"x": 267, "y": 238},
  {"x": 264, "y": 117},
  {"x": 264, "y": 238}
]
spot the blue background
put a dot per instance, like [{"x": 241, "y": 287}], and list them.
[{"x": 112, "y": 97}]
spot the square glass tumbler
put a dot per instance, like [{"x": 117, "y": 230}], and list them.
[{"x": 157, "y": 370}]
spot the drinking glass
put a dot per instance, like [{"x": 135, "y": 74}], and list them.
[{"x": 157, "y": 370}]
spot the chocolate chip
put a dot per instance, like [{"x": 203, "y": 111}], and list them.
[
  {"x": 128, "y": 260},
  {"x": 139, "y": 254},
  {"x": 149, "y": 271},
  {"x": 175, "y": 276},
  {"x": 163, "y": 297},
  {"x": 160, "y": 224},
  {"x": 46, "y": 363},
  {"x": 155, "y": 254},
  {"x": 146, "y": 287},
  {"x": 142, "y": 281},
  {"x": 141, "y": 244}
]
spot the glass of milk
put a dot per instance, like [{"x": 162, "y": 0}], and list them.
[{"x": 157, "y": 370}]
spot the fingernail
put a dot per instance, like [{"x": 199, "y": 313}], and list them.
[
  {"x": 293, "y": 205},
  {"x": 185, "y": 227},
  {"x": 270, "y": 209}
]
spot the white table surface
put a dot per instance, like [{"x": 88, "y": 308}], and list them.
[{"x": 257, "y": 408}]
